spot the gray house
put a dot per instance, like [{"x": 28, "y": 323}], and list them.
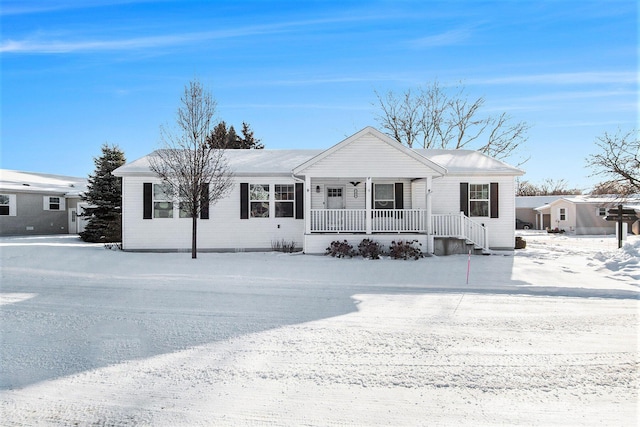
[
  {"x": 582, "y": 215},
  {"x": 526, "y": 210},
  {"x": 37, "y": 203}
]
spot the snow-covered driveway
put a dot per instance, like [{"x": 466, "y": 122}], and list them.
[{"x": 97, "y": 337}]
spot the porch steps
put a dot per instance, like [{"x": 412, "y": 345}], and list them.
[{"x": 456, "y": 246}]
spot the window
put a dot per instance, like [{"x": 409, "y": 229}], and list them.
[
  {"x": 478, "y": 199},
  {"x": 383, "y": 196},
  {"x": 601, "y": 211},
  {"x": 284, "y": 195},
  {"x": 334, "y": 192},
  {"x": 5, "y": 202},
  {"x": 162, "y": 201},
  {"x": 563, "y": 214},
  {"x": 259, "y": 197},
  {"x": 184, "y": 211},
  {"x": 54, "y": 203}
]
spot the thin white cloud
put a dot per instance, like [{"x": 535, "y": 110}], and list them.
[
  {"x": 26, "y": 7},
  {"x": 45, "y": 44},
  {"x": 587, "y": 77},
  {"x": 61, "y": 46},
  {"x": 448, "y": 38}
]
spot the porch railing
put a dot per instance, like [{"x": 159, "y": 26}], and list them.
[
  {"x": 338, "y": 220},
  {"x": 460, "y": 226},
  {"x": 398, "y": 221}
]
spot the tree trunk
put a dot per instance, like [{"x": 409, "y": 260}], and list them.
[{"x": 194, "y": 236}]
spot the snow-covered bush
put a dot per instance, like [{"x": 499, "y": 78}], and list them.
[
  {"x": 405, "y": 250},
  {"x": 370, "y": 249},
  {"x": 340, "y": 249}
]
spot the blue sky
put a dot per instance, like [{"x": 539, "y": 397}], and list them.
[{"x": 77, "y": 74}]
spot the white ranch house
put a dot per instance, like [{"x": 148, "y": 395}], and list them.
[{"x": 367, "y": 186}]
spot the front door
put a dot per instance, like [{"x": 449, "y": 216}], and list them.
[
  {"x": 335, "y": 197},
  {"x": 73, "y": 221}
]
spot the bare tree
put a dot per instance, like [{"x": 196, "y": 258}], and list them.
[
  {"x": 435, "y": 118},
  {"x": 549, "y": 187},
  {"x": 610, "y": 188},
  {"x": 196, "y": 174},
  {"x": 619, "y": 159}
]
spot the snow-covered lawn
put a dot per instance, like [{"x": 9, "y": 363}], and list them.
[{"x": 546, "y": 336}]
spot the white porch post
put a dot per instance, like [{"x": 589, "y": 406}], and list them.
[
  {"x": 540, "y": 221},
  {"x": 307, "y": 205},
  {"x": 367, "y": 205},
  {"x": 429, "y": 225}
]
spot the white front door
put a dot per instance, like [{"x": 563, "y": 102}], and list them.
[
  {"x": 81, "y": 221},
  {"x": 73, "y": 221},
  {"x": 335, "y": 197}
]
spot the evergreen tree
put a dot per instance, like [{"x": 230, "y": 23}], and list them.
[
  {"x": 248, "y": 140},
  {"x": 223, "y": 138},
  {"x": 233, "y": 140},
  {"x": 104, "y": 195},
  {"x": 218, "y": 137}
]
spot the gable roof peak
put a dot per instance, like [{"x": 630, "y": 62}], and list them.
[{"x": 380, "y": 136}]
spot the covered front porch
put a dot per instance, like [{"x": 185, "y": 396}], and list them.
[
  {"x": 386, "y": 225},
  {"x": 369, "y": 184}
]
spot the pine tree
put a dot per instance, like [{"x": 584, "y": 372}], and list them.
[
  {"x": 248, "y": 140},
  {"x": 104, "y": 195},
  {"x": 218, "y": 137},
  {"x": 223, "y": 138}
]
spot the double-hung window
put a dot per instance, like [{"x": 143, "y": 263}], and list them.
[
  {"x": 259, "y": 199},
  {"x": 478, "y": 199},
  {"x": 562, "y": 214},
  {"x": 383, "y": 196},
  {"x": 5, "y": 204},
  {"x": 601, "y": 211},
  {"x": 162, "y": 201},
  {"x": 54, "y": 203},
  {"x": 284, "y": 196}
]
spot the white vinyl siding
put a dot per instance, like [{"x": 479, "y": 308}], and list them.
[
  {"x": 355, "y": 196},
  {"x": 446, "y": 200},
  {"x": 225, "y": 230},
  {"x": 368, "y": 157}
]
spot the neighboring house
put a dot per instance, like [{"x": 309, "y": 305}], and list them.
[
  {"x": 582, "y": 214},
  {"x": 37, "y": 203},
  {"x": 526, "y": 210},
  {"x": 367, "y": 186}
]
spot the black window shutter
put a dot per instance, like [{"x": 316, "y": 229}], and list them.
[
  {"x": 399, "y": 195},
  {"x": 244, "y": 200},
  {"x": 493, "y": 199},
  {"x": 299, "y": 200},
  {"x": 147, "y": 201},
  {"x": 464, "y": 198},
  {"x": 204, "y": 201}
]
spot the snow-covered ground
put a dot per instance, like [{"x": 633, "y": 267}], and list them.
[{"x": 547, "y": 336}]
